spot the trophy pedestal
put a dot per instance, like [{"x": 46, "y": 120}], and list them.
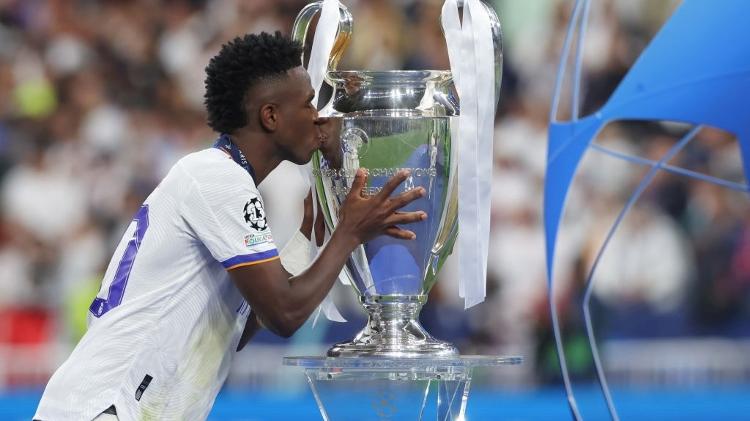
[
  {"x": 393, "y": 331},
  {"x": 393, "y": 389}
]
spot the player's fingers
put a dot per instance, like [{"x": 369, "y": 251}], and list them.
[
  {"x": 360, "y": 179},
  {"x": 399, "y": 233},
  {"x": 404, "y": 218},
  {"x": 405, "y": 198},
  {"x": 392, "y": 183}
]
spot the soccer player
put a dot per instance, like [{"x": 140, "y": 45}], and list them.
[{"x": 177, "y": 294}]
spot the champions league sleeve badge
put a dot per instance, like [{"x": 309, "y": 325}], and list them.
[{"x": 255, "y": 216}]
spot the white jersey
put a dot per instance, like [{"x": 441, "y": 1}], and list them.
[{"x": 167, "y": 320}]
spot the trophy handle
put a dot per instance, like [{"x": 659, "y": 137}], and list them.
[
  {"x": 497, "y": 42},
  {"x": 304, "y": 20}
]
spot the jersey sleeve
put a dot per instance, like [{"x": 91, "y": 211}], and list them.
[{"x": 230, "y": 220}]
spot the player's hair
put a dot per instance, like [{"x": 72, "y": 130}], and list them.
[{"x": 240, "y": 65}]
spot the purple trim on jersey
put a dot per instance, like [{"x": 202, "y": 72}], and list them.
[
  {"x": 117, "y": 288},
  {"x": 250, "y": 258}
]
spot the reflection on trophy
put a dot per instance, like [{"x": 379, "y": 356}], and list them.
[
  {"x": 385, "y": 121},
  {"x": 392, "y": 121}
]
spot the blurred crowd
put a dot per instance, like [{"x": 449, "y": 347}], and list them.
[{"x": 99, "y": 98}]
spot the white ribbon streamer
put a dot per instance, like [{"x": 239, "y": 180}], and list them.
[
  {"x": 325, "y": 36},
  {"x": 471, "y": 54},
  {"x": 323, "y": 40}
]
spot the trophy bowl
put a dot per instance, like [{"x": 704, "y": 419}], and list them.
[{"x": 384, "y": 122}]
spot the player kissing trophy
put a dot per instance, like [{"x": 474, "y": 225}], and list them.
[{"x": 438, "y": 124}]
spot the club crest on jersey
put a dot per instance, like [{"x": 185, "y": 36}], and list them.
[{"x": 255, "y": 215}]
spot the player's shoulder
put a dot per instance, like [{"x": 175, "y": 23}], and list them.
[
  {"x": 213, "y": 166},
  {"x": 207, "y": 160}
]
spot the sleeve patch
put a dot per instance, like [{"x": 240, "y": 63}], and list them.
[
  {"x": 258, "y": 238},
  {"x": 254, "y": 214}
]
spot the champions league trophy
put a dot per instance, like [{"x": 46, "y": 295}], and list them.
[{"x": 385, "y": 121}]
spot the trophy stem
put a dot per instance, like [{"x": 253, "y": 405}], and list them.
[{"x": 393, "y": 331}]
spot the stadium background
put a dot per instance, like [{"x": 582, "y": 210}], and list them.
[{"x": 99, "y": 98}]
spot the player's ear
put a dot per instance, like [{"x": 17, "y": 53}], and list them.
[{"x": 269, "y": 117}]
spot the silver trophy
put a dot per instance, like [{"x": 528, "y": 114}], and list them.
[{"x": 385, "y": 121}]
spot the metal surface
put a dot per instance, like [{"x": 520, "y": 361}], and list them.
[
  {"x": 384, "y": 121},
  {"x": 305, "y": 18}
]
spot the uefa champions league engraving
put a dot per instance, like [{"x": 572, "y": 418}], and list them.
[{"x": 385, "y": 121}]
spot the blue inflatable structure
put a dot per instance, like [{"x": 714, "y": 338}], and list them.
[{"x": 696, "y": 70}]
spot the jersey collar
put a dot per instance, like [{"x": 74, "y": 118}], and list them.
[{"x": 224, "y": 142}]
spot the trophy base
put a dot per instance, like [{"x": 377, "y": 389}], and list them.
[
  {"x": 393, "y": 331},
  {"x": 393, "y": 389}
]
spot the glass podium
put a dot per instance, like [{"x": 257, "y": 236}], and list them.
[{"x": 393, "y": 389}]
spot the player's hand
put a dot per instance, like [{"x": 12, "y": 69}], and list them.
[
  {"x": 365, "y": 217},
  {"x": 308, "y": 222}
]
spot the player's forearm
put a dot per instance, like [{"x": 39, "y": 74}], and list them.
[
  {"x": 309, "y": 288},
  {"x": 283, "y": 302}
]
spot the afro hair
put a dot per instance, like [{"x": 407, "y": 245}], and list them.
[{"x": 240, "y": 65}]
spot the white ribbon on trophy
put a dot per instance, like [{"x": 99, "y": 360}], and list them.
[
  {"x": 471, "y": 54},
  {"x": 325, "y": 35}
]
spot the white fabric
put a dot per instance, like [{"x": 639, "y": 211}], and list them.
[
  {"x": 471, "y": 54},
  {"x": 181, "y": 317},
  {"x": 325, "y": 36},
  {"x": 284, "y": 191},
  {"x": 295, "y": 256}
]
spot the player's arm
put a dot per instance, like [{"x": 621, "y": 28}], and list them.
[
  {"x": 283, "y": 302},
  {"x": 310, "y": 226}
]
